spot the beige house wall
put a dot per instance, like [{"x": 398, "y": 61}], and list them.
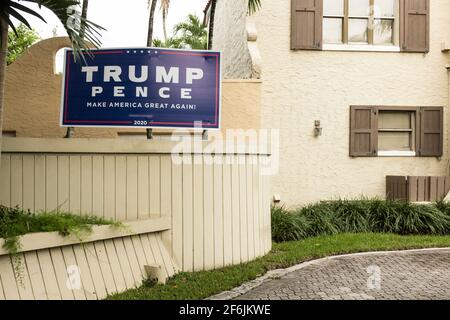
[
  {"x": 300, "y": 87},
  {"x": 33, "y": 97}
]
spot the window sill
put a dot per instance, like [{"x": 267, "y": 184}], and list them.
[
  {"x": 396, "y": 153},
  {"x": 359, "y": 47}
]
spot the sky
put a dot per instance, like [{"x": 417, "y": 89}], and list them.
[{"x": 126, "y": 21}]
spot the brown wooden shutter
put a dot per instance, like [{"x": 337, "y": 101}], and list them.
[
  {"x": 363, "y": 131},
  {"x": 431, "y": 132},
  {"x": 306, "y": 24},
  {"x": 415, "y": 25}
]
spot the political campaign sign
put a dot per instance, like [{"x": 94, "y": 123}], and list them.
[{"x": 142, "y": 87}]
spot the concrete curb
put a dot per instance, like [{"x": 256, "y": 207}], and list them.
[{"x": 278, "y": 273}]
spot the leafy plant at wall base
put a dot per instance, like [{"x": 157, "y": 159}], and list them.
[
  {"x": 358, "y": 216},
  {"x": 286, "y": 226},
  {"x": 321, "y": 220},
  {"x": 15, "y": 222},
  {"x": 444, "y": 207},
  {"x": 12, "y": 245},
  {"x": 352, "y": 216},
  {"x": 149, "y": 282}
]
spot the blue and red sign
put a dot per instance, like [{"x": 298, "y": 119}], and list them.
[{"x": 142, "y": 87}]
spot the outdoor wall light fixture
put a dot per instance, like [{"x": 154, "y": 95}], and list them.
[
  {"x": 317, "y": 128},
  {"x": 276, "y": 198}
]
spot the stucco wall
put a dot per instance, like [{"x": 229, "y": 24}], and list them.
[
  {"x": 33, "y": 97},
  {"x": 230, "y": 36},
  {"x": 302, "y": 86}
]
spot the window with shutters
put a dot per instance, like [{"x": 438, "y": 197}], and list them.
[
  {"x": 361, "y": 25},
  {"x": 360, "y": 22},
  {"x": 396, "y": 131}
]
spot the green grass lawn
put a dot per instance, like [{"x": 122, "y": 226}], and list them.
[{"x": 200, "y": 285}]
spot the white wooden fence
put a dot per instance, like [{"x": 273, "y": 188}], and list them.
[
  {"x": 219, "y": 212},
  {"x": 109, "y": 261}
]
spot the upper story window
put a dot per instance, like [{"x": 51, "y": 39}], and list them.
[
  {"x": 360, "y": 22},
  {"x": 379, "y": 25}
]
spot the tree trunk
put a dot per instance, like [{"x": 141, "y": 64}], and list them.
[
  {"x": 84, "y": 11},
  {"x": 3, "y": 53},
  {"x": 150, "y": 23},
  {"x": 211, "y": 24},
  {"x": 149, "y": 44},
  {"x": 164, "y": 18}
]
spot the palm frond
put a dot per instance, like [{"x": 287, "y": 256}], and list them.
[
  {"x": 15, "y": 14},
  {"x": 5, "y": 16},
  {"x": 67, "y": 13},
  {"x": 25, "y": 9},
  {"x": 191, "y": 33},
  {"x": 253, "y": 6},
  {"x": 165, "y": 4}
]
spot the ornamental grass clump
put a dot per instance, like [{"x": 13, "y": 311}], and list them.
[
  {"x": 318, "y": 220},
  {"x": 406, "y": 218},
  {"x": 351, "y": 216},
  {"x": 444, "y": 207},
  {"x": 286, "y": 226},
  {"x": 360, "y": 216}
]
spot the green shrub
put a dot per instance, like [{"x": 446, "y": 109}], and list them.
[
  {"x": 15, "y": 222},
  {"x": 358, "y": 216},
  {"x": 350, "y": 216},
  {"x": 318, "y": 220},
  {"x": 286, "y": 226},
  {"x": 405, "y": 218},
  {"x": 444, "y": 207}
]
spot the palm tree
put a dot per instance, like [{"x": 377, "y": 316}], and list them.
[
  {"x": 172, "y": 42},
  {"x": 64, "y": 10},
  {"x": 192, "y": 33},
  {"x": 165, "y": 10},
  {"x": 252, "y": 7},
  {"x": 152, "y": 6},
  {"x": 84, "y": 11},
  {"x": 211, "y": 23}
]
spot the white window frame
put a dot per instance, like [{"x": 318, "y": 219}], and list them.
[
  {"x": 394, "y": 47},
  {"x": 414, "y": 128}
]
